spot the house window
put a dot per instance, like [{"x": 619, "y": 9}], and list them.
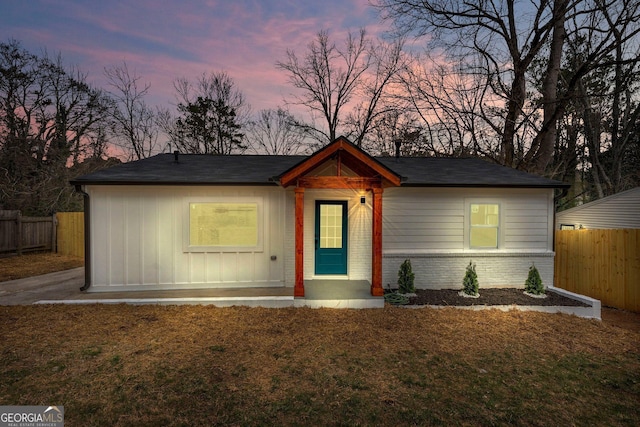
[
  {"x": 221, "y": 226},
  {"x": 484, "y": 226}
]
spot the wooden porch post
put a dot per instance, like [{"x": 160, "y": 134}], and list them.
[
  {"x": 298, "y": 289},
  {"x": 376, "y": 244}
]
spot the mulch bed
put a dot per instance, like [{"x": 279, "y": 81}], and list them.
[{"x": 501, "y": 296}]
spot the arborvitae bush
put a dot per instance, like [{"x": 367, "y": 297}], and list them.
[
  {"x": 534, "y": 285},
  {"x": 406, "y": 278},
  {"x": 470, "y": 284}
]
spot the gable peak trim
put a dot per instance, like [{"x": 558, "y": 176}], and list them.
[{"x": 340, "y": 144}]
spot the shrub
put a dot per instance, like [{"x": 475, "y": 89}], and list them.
[
  {"x": 534, "y": 285},
  {"x": 470, "y": 284},
  {"x": 406, "y": 278}
]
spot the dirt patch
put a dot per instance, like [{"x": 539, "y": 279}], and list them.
[
  {"x": 621, "y": 319},
  {"x": 19, "y": 267},
  {"x": 501, "y": 296}
]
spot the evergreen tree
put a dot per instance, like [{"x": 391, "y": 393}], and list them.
[
  {"x": 470, "y": 284},
  {"x": 406, "y": 278},
  {"x": 534, "y": 285}
]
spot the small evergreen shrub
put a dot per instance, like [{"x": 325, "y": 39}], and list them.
[
  {"x": 406, "y": 278},
  {"x": 470, "y": 284},
  {"x": 534, "y": 285}
]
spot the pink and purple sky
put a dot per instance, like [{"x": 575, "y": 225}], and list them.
[{"x": 161, "y": 41}]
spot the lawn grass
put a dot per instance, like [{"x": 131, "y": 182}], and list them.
[{"x": 200, "y": 365}]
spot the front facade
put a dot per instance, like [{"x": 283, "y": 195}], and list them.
[{"x": 261, "y": 221}]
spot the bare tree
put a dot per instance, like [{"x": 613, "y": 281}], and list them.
[
  {"x": 603, "y": 76},
  {"x": 50, "y": 119},
  {"x": 496, "y": 41},
  {"x": 274, "y": 132},
  {"x": 331, "y": 80},
  {"x": 457, "y": 112},
  {"x": 401, "y": 126},
  {"x": 134, "y": 124},
  {"x": 501, "y": 41}
]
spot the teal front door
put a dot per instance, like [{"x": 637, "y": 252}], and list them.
[{"x": 331, "y": 237}]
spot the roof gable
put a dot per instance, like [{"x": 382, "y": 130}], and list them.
[{"x": 348, "y": 154}]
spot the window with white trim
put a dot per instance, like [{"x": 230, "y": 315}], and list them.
[
  {"x": 484, "y": 225},
  {"x": 224, "y": 226}
]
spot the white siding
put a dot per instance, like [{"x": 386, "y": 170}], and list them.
[
  {"x": 137, "y": 237},
  {"x": 617, "y": 211},
  {"x": 430, "y": 227},
  {"x": 526, "y": 220},
  {"x": 422, "y": 220},
  {"x": 137, "y": 240}
]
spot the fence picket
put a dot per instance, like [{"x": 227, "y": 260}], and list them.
[
  {"x": 71, "y": 233},
  {"x": 603, "y": 264},
  {"x": 20, "y": 234}
]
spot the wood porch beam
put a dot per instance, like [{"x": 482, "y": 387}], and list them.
[
  {"x": 339, "y": 182},
  {"x": 376, "y": 244},
  {"x": 298, "y": 289}
]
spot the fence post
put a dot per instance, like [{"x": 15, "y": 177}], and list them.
[{"x": 19, "y": 233}]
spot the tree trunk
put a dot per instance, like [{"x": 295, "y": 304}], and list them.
[
  {"x": 514, "y": 109},
  {"x": 541, "y": 152}
]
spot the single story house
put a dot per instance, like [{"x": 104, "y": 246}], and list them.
[
  {"x": 182, "y": 221},
  {"x": 619, "y": 210}
]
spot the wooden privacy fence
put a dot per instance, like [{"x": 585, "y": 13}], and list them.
[
  {"x": 71, "y": 233},
  {"x": 19, "y": 234},
  {"x": 602, "y": 264}
]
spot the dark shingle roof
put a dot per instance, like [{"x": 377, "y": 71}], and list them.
[
  {"x": 195, "y": 169},
  {"x": 462, "y": 172}
]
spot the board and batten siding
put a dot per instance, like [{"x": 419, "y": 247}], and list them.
[
  {"x": 430, "y": 226},
  {"x": 138, "y": 235}
]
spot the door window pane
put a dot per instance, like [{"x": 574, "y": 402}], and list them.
[{"x": 330, "y": 226}]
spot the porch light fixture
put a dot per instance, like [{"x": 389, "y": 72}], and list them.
[{"x": 363, "y": 200}]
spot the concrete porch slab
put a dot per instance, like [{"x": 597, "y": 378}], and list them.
[
  {"x": 338, "y": 294},
  {"x": 270, "y": 297},
  {"x": 318, "y": 293}
]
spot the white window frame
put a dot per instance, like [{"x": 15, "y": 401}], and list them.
[
  {"x": 467, "y": 223},
  {"x": 186, "y": 238}
]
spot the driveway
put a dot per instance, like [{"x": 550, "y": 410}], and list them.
[{"x": 52, "y": 286}]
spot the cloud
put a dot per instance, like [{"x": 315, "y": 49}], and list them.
[{"x": 165, "y": 40}]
